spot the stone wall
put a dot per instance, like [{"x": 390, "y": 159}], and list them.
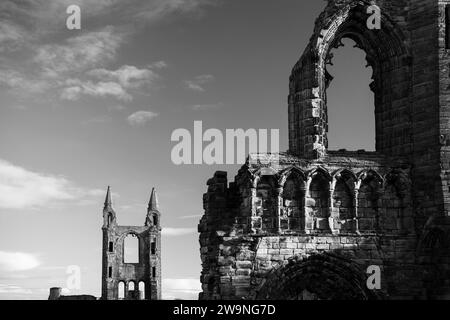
[{"x": 289, "y": 222}]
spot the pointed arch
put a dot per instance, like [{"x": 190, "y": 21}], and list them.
[
  {"x": 397, "y": 214},
  {"x": 266, "y": 201},
  {"x": 121, "y": 290},
  {"x": 293, "y": 200},
  {"x": 292, "y": 171},
  {"x": 317, "y": 209},
  {"x": 343, "y": 206},
  {"x": 370, "y": 187},
  {"x": 141, "y": 288},
  {"x": 388, "y": 56}
]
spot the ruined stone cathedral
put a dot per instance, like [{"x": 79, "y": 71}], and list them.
[
  {"x": 131, "y": 280},
  {"x": 307, "y": 224}
]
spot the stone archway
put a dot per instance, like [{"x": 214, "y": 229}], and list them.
[{"x": 325, "y": 276}]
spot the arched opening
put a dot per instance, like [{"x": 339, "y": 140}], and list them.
[
  {"x": 293, "y": 204},
  {"x": 393, "y": 208},
  {"x": 265, "y": 202},
  {"x": 141, "y": 290},
  {"x": 326, "y": 276},
  {"x": 155, "y": 219},
  {"x": 343, "y": 203},
  {"x": 131, "y": 249},
  {"x": 318, "y": 204},
  {"x": 110, "y": 219},
  {"x": 350, "y": 101},
  {"x": 131, "y": 286},
  {"x": 121, "y": 290},
  {"x": 368, "y": 196}
]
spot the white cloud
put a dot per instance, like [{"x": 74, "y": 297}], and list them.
[
  {"x": 157, "y": 9},
  {"x": 99, "y": 89},
  {"x": 113, "y": 83},
  {"x": 127, "y": 76},
  {"x": 187, "y": 289},
  {"x": 176, "y": 232},
  {"x": 13, "y": 292},
  {"x": 20, "y": 188},
  {"x": 12, "y": 36},
  {"x": 24, "y": 189},
  {"x": 198, "y": 83},
  {"x": 79, "y": 53},
  {"x": 141, "y": 117},
  {"x": 18, "y": 81},
  {"x": 17, "y": 261}
]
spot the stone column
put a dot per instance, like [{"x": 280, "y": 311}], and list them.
[
  {"x": 330, "y": 208},
  {"x": 279, "y": 208},
  {"x": 355, "y": 208}
]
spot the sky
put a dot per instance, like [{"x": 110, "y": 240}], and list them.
[{"x": 84, "y": 109}]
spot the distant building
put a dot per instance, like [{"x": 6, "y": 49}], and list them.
[
  {"x": 121, "y": 279},
  {"x": 140, "y": 280}
]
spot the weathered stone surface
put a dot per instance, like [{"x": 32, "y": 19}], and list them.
[
  {"x": 310, "y": 229},
  {"x": 147, "y": 270}
]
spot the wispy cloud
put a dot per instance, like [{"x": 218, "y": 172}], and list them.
[
  {"x": 199, "y": 82},
  {"x": 127, "y": 76},
  {"x": 206, "y": 107},
  {"x": 186, "y": 289},
  {"x": 24, "y": 189},
  {"x": 177, "y": 232},
  {"x": 79, "y": 53},
  {"x": 12, "y": 36},
  {"x": 98, "y": 89},
  {"x": 141, "y": 117},
  {"x": 17, "y": 261},
  {"x": 13, "y": 292}
]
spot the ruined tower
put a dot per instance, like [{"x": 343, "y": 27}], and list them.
[
  {"x": 307, "y": 224},
  {"x": 136, "y": 280}
]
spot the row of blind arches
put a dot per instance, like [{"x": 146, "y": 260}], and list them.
[{"x": 353, "y": 202}]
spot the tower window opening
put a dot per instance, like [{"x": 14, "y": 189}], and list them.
[
  {"x": 141, "y": 290},
  {"x": 111, "y": 247},
  {"x": 110, "y": 272},
  {"x": 153, "y": 272},
  {"x": 121, "y": 290},
  {"x": 131, "y": 249},
  {"x": 153, "y": 247}
]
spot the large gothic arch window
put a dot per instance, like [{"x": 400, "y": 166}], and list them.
[
  {"x": 385, "y": 52},
  {"x": 349, "y": 98}
]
